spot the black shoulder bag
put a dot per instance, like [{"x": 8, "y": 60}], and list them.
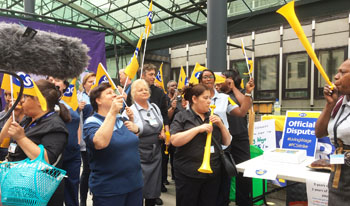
[{"x": 227, "y": 160}]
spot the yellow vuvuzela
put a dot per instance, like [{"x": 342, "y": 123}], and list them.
[
  {"x": 205, "y": 167},
  {"x": 287, "y": 11}
]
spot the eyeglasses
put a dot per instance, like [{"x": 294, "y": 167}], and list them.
[
  {"x": 25, "y": 96},
  {"x": 208, "y": 77}
]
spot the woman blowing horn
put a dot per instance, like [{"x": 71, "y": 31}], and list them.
[{"x": 189, "y": 132}]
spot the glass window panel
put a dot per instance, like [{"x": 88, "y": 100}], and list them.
[
  {"x": 267, "y": 73},
  {"x": 330, "y": 60},
  {"x": 296, "y": 94},
  {"x": 241, "y": 66},
  {"x": 297, "y": 70}
]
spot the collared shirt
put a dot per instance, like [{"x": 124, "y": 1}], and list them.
[
  {"x": 151, "y": 113},
  {"x": 223, "y": 107},
  {"x": 188, "y": 157},
  {"x": 159, "y": 98},
  {"x": 115, "y": 169},
  {"x": 343, "y": 129}
]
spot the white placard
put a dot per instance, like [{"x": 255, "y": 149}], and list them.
[
  {"x": 265, "y": 134},
  {"x": 317, "y": 193}
]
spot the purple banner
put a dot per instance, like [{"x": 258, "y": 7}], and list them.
[{"x": 94, "y": 40}]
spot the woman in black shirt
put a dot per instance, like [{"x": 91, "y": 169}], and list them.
[
  {"x": 189, "y": 131},
  {"x": 40, "y": 127}
]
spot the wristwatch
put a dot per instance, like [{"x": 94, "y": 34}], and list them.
[{"x": 248, "y": 94}]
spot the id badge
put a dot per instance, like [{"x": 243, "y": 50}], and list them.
[
  {"x": 12, "y": 147},
  {"x": 337, "y": 159},
  {"x": 153, "y": 122},
  {"x": 212, "y": 150}
]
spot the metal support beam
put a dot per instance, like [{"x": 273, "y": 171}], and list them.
[
  {"x": 29, "y": 6},
  {"x": 178, "y": 16},
  {"x": 217, "y": 35},
  {"x": 99, "y": 20},
  {"x": 113, "y": 10},
  {"x": 238, "y": 46}
]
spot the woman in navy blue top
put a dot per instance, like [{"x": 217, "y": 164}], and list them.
[{"x": 116, "y": 177}]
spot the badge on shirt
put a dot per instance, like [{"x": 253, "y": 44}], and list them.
[
  {"x": 337, "y": 159},
  {"x": 212, "y": 150},
  {"x": 153, "y": 122},
  {"x": 12, "y": 148}
]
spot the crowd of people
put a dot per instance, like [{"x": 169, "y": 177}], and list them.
[{"x": 121, "y": 139}]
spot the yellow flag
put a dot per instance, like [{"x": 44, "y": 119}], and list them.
[
  {"x": 183, "y": 81},
  {"x": 242, "y": 84},
  {"x": 159, "y": 78},
  {"x": 103, "y": 77},
  {"x": 6, "y": 85},
  {"x": 148, "y": 22},
  {"x": 70, "y": 96},
  {"x": 133, "y": 65},
  {"x": 251, "y": 67},
  {"x": 30, "y": 87},
  {"x": 219, "y": 79},
  {"x": 195, "y": 74}
]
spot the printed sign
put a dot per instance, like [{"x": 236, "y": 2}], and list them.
[
  {"x": 264, "y": 134},
  {"x": 299, "y": 131},
  {"x": 317, "y": 193}
]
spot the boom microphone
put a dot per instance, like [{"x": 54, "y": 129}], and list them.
[{"x": 40, "y": 52}]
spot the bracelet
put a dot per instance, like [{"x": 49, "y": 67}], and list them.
[
  {"x": 248, "y": 94},
  {"x": 138, "y": 130}
]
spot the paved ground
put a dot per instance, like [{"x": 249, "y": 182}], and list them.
[{"x": 169, "y": 197}]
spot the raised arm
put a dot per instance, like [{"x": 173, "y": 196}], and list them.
[
  {"x": 104, "y": 134},
  {"x": 322, "y": 122},
  {"x": 182, "y": 138}
]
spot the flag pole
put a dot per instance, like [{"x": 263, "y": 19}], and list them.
[
  {"x": 246, "y": 58},
  {"x": 144, "y": 51},
  {"x": 127, "y": 78},
  {"x": 13, "y": 112}
]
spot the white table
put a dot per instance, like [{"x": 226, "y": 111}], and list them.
[{"x": 287, "y": 171}]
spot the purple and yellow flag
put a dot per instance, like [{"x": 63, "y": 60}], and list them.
[
  {"x": 148, "y": 22},
  {"x": 159, "y": 78},
  {"x": 70, "y": 96},
  {"x": 30, "y": 87},
  {"x": 133, "y": 65},
  {"x": 195, "y": 74},
  {"x": 103, "y": 77},
  {"x": 183, "y": 81}
]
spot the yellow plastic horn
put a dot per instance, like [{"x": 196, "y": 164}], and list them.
[
  {"x": 287, "y": 11},
  {"x": 205, "y": 167},
  {"x": 167, "y": 139}
]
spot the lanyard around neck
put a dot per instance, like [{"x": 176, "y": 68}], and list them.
[{"x": 336, "y": 125}]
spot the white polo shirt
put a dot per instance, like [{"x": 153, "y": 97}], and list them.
[
  {"x": 223, "y": 107},
  {"x": 343, "y": 130}
]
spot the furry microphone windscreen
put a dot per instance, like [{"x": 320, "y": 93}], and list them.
[{"x": 44, "y": 54}]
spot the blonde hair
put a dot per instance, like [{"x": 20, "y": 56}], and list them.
[
  {"x": 138, "y": 83},
  {"x": 85, "y": 78}
]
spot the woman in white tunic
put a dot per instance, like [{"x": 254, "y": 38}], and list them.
[{"x": 334, "y": 121}]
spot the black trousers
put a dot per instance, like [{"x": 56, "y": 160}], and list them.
[
  {"x": 196, "y": 192},
  {"x": 84, "y": 179},
  {"x": 165, "y": 160},
  {"x": 240, "y": 150}
]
